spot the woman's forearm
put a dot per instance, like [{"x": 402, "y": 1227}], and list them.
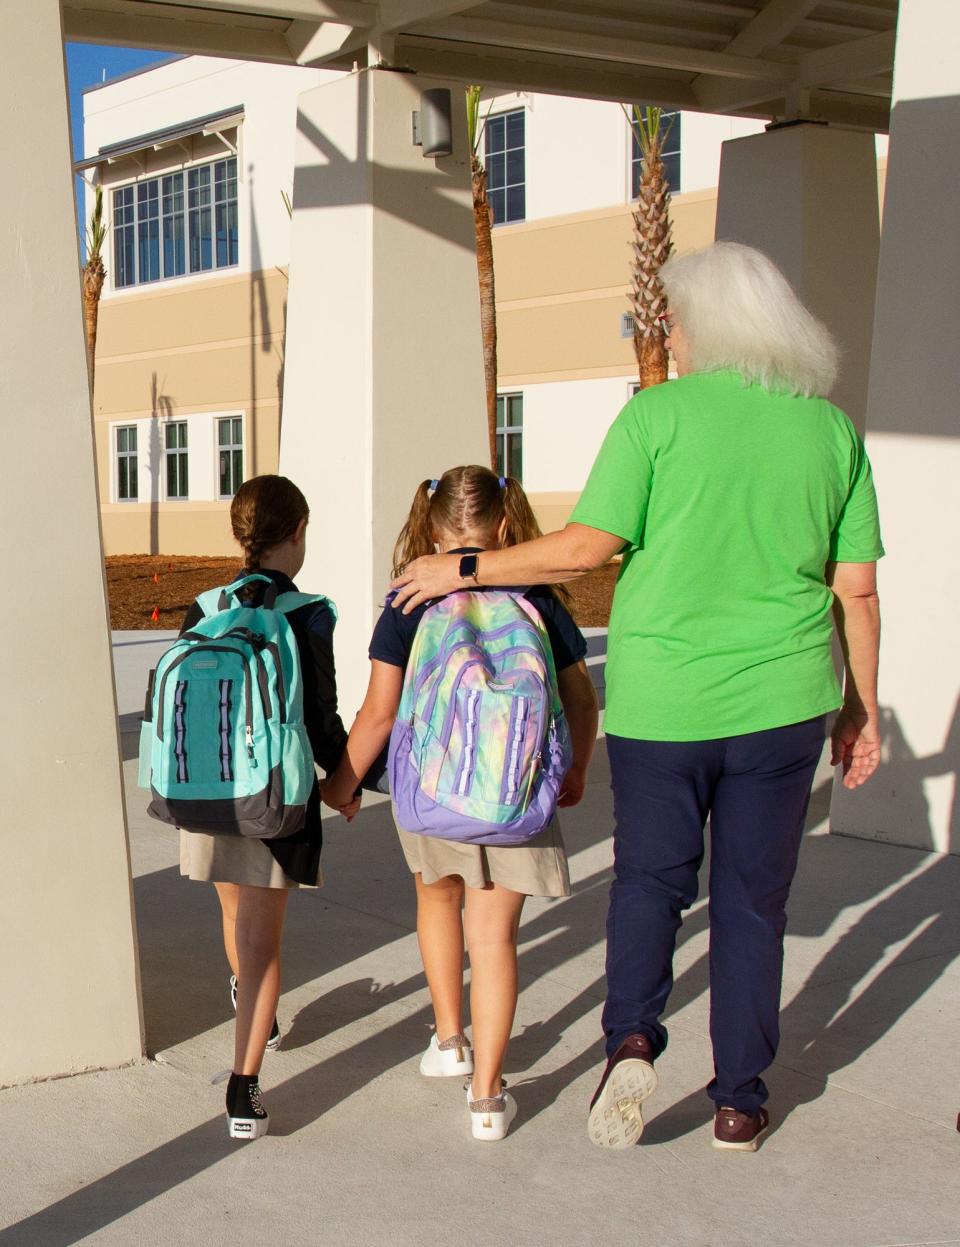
[
  {"x": 858, "y": 627},
  {"x": 551, "y": 559}
]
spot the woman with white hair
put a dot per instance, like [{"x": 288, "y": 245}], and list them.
[{"x": 743, "y": 504}]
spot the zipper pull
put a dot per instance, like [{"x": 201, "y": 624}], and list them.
[{"x": 253, "y": 761}]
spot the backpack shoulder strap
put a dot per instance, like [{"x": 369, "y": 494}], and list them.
[{"x": 288, "y": 602}]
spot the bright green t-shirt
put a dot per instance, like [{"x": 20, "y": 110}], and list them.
[{"x": 731, "y": 500}]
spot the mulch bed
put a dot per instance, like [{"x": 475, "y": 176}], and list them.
[{"x": 154, "y": 591}]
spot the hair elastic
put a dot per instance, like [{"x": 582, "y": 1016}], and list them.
[
  {"x": 503, "y": 482},
  {"x": 433, "y": 485}
]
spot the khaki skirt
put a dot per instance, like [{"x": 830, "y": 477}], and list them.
[
  {"x": 233, "y": 859},
  {"x": 537, "y": 868}
]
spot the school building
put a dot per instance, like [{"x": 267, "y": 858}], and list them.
[{"x": 196, "y": 159}]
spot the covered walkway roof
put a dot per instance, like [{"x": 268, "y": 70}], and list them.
[{"x": 828, "y": 60}]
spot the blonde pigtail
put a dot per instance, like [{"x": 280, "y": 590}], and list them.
[
  {"x": 522, "y": 526},
  {"x": 416, "y": 536}
]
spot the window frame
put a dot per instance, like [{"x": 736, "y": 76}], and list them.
[
  {"x": 126, "y": 455},
  {"x": 181, "y": 453},
  {"x": 232, "y": 447},
  {"x": 506, "y": 432},
  {"x": 181, "y": 207},
  {"x": 504, "y": 152}
]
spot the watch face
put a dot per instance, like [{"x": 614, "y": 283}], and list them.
[{"x": 468, "y": 566}]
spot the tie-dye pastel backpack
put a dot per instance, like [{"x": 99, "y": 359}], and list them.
[{"x": 480, "y": 746}]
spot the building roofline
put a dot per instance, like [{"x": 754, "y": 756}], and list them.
[
  {"x": 226, "y": 118},
  {"x": 135, "y": 73}
]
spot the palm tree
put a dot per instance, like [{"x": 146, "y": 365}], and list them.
[
  {"x": 652, "y": 245},
  {"x": 481, "y": 222},
  {"x": 93, "y": 274}
]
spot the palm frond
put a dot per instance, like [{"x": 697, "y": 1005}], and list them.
[{"x": 97, "y": 229}]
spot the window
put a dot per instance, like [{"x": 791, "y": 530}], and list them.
[
  {"x": 181, "y": 222},
  {"x": 175, "y": 454},
  {"x": 127, "y": 487},
  {"x": 230, "y": 448},
  {"x": 510, "y": 435},
  {"x": 506, "y": 166},
  {"x": 669, "y": 126}
]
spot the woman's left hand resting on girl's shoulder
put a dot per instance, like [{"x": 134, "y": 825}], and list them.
[{"x": 551, "y": 559}]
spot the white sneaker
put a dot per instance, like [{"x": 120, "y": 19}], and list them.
[
  {"x": 448, "y": 1058},
  {"x": 490, "y": 1118}
]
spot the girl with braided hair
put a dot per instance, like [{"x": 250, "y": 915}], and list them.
[{"x": 253, "y": 878}]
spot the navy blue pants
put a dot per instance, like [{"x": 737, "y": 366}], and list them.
[{"x": 755, "y": 789}]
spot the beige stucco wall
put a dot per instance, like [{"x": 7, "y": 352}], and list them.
[
  {"x": 193, "y": 348},
  {"x": 562, "y": 286}
]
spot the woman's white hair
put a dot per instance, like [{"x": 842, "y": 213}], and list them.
[{"x": 737, "y": 311}]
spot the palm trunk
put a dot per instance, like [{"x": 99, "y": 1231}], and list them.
[
  {"x": 488, "y": 310},
  {"x": 93, "y": 278},
  {"x": 651, "y": 248}
]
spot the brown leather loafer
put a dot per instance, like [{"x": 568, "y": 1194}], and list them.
[
  {"x": 739, "y": 1132},
  {"x": 615, "y": 1118}
]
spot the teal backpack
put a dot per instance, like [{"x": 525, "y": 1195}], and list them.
[{"x": 223, "y": 747}]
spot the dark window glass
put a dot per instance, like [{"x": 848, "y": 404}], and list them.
[
  {"x": 124, "y": 238},
  {"x": 127, "y": 463},
  {"x": 148, "y": 230},
  {"x": 200, "y": 219},
  {"x": 230, "y": 457},
  {"x": 174, "y": 235},
  {"x": 505, "y": 162},
  {"x": 510, "y": 435}
]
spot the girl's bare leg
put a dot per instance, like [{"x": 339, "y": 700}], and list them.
[
  {"x": 259, "y": 929},
  {"x": 440, "y": 935},
  {"x": 491, "y": 921},
  {"x": 229, "y": 894}
]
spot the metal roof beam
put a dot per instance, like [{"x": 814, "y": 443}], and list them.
[
  {"x": 518, "y": 71},
  {"x": 260, "y": 41},
  {"x": 858, "y": 58},
  {"x": 399, "y": 14},
  {"x": 555, "y": 41},
  {"x": 777, "y": 20},
  {"x": 351, "y": 12}
]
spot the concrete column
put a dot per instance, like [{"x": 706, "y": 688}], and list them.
[
  {"x": 807, "y": 196},
  {"x": 913, "y": 437},
  {"x": 383, "y": 383},
  {"x": 68, "y": 973}
]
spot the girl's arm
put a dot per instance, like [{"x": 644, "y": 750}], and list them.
[
  {"x": 580, "y": 707},
  {"x": 369, "y": 733},
  {"x": 564, "y": 555}
]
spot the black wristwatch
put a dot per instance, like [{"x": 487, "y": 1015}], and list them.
[{"x": 468, "y": 568}]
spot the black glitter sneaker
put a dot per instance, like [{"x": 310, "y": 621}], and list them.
[
  {"x": 615, "y": 1117},
  {"x": 273, "y": 1043},
  {"x": 246, "y": 1116}
]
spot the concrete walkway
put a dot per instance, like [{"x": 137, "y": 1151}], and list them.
[{"x": 865, "y": 1092}]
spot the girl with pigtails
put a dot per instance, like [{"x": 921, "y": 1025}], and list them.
[{"x": 472, "y": 893}]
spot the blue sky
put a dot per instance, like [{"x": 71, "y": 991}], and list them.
[{"x": 89, "y": 63}]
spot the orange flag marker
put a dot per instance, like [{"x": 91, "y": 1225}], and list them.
[{"x": 155, "y": 615}]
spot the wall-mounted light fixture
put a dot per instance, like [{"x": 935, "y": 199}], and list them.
[{"x": 432, "y": 126}]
